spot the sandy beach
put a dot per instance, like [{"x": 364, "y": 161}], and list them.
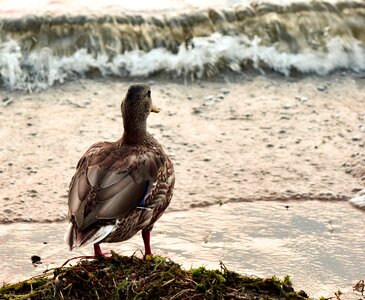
[{"x": 258, "y": 138}]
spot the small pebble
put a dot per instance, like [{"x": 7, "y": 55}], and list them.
[
  {"x": 287, "y": 106},
  {"x": 197, "y": 111},
  {"x": 302, "y": 98},
  {"x": 209, "y": 98},
  {"x": 321, "y": 88},
  {"x": 6, "y": 101},
  {"x": 36, "y": 259},
  {"x": 224, "y": 91}
]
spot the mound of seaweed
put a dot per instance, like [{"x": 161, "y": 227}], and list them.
[{"x": 123, "y": 277}]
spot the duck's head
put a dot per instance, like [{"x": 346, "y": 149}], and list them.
[
  {"x": 137, "y": 103},
  {"x": 136, "y": 107}
]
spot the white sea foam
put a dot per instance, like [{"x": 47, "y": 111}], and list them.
[
  {"x": 359, "y": 199},
  {"x": 204, "y": 57}
]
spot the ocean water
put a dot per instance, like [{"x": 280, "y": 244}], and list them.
[{"x": 51, "y": 42}]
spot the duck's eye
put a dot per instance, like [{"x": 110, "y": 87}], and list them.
[{"x": 149, "y": 94}]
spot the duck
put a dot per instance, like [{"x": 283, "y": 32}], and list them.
[{"x": 122, "y": 187}]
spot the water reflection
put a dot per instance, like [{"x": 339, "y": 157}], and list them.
[{"x": 319, "y": 244}]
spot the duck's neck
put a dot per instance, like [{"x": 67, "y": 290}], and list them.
[{"x": 134, "y": 131}]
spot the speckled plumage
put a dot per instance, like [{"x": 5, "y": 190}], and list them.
[{"x": 121, "y": 187}]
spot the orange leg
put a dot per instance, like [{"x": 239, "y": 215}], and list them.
[
  {"x": 97, "y": 254},
  {"x": 146, "y": 235},
  {"x": 97, "y": 251}
]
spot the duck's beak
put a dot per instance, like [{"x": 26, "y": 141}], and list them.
[{"x": 154, "y": 109}]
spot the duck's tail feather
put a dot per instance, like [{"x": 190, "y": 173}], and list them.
[
  {"x": 69, "y": 236},
  {"x": 77, "y": 238}
]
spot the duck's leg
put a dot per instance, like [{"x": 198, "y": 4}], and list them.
[
  {"x": 98, "y": 252},
  {"x": 146, "y": 235}
]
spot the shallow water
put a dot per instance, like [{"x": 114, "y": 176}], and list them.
[{"x": 307, "y": 240}]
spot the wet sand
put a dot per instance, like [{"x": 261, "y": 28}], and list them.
[{"x": 257, "y": 138}]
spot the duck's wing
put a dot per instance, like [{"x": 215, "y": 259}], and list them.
[{"x": 110, "y": 183}]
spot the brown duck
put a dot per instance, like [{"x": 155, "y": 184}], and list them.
[{"x": 121, "y": 187}]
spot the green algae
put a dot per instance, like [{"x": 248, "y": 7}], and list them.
[{"x": 123, "y": 277}]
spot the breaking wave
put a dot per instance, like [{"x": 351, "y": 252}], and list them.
[{"x": 307, "y": 37}]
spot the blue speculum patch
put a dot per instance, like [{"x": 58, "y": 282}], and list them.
[{"x": 142, "y": 202}]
